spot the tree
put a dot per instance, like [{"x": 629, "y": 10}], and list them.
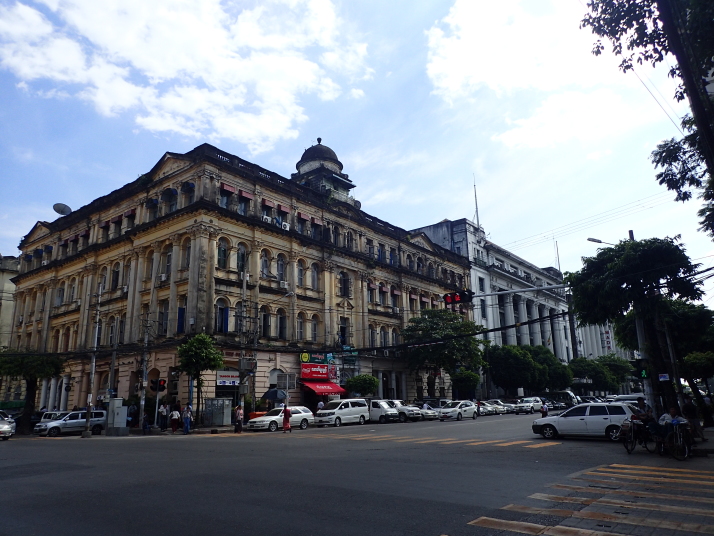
[
  {"x": 601, "y": 377},
  {"x": 465, "y": 383},
  {"x": 364, "y": 384},
  {"x": 512, "y": 367},
  {"x": 700, "y": 365},
  {"x": 557, "y": 375},
  {"x": 646, "y": 31},
  {"x": 455, "y": 345},
  {"x": 620, "y": 368},
  {"x": 197, "y": 355},
  {"x": 31, "y": 368}
]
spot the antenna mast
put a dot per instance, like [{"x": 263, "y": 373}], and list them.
[{"x": 478, "y": 223}]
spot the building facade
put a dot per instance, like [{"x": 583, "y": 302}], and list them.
[
  {"x": 12, "y": 390},
  {"x": 289, "y": 270}
]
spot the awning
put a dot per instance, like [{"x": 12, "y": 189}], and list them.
[{"x": 324, "y": 388}]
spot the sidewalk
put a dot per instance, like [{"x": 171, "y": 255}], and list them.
[{"x": 202, "y": 430}]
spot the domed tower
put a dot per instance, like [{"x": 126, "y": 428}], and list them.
[{"x": 320, "y": 169}]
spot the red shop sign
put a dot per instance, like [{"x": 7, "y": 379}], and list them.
[{"x": 313, "y": 370}]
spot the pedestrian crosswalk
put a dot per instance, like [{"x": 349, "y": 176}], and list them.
[
  {"x": 616, "y": 499},
  {"x": 472, "y": 442}
]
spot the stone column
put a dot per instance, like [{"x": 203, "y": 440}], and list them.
[
  {"x": 393, "y": 383},
  {"x": 85, "y": 311},
  {"x": 510, "y": 319},
  {"x": 210, "y": 279},
  {"x": 65, "y": 393},
  {"x": 380, "y": 389},
  {"x": 136, "y": 275},
  {"x": 558, "y": 339},
  {"x": 153, "y": 294},
  {"x": 494, "y": 318},
  {"x": 43, "y": 393},
  {"x": 173, "y": 292},
  {"x": 597, "y": 340},
  {"x": 193, "y": 273},
  {"x": 53, "y": 394},
  {"x": 535, "y": 326},
  {"x": 524, "y": 334},
  {"x": 328, "y": 269},
  {"x": 546, "y": 332}
]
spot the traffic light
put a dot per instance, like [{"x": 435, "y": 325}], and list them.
[
  {"x": 642, "y": 371},
  {"x": 162, "y": 386},
  {"x": 462, "y": 296},
  {"x": 154, "y": 385}
]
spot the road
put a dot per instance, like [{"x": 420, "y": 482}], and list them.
[{"x": 425, "y": 478}]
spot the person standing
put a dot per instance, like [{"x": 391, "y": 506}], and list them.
[
  {"x": 239, "y": 419},
  {"x": 163, "y": 412},
  {"x": 145, "y": 423},
  {"x": 320, "y": 405},
  {"x": 175, "y": 420},
  {"x": 689, "y": 410},
  {"x": 286, "y": 420},
  {"x": 187, "y": 418}
]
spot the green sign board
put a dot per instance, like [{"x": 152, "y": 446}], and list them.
[{"x": 306, "y": 357}]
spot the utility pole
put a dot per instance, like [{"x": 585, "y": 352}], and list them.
[
  {"x": 112, "y": 366},
  {"x": 87, "y": 425},
  {"x": 144, "y": 371},
  {"x": 571, "y": 323}
]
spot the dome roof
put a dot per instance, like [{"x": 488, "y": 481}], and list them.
[{"x": 318, "y": 153}]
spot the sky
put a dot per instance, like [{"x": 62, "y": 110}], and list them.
[{"x": 420, "y": 100}]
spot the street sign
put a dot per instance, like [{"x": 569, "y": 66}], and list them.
[{"x": 664, "y": 377}]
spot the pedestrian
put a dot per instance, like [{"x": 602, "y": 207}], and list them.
[
  {"x": 239, "y": 419},
  {"x": 286, "y": 420},
  {"x": 132, "y": 416},
  {"x": 689, "y": 410},
  {"x": 543, "y": 410},
  {"x": 163, "y": 412},
  {"x": 187, "y": 418},
  {"x": 320, "y": 405},
  {"x": 175, "y": 420},
  {"x": 145, "y": 424}
]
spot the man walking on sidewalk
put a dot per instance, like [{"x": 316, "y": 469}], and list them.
[{"x": 187, "y": 418}]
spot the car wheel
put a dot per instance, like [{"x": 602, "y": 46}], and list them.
[
  {"x": 5, "y": 438},
  {"x": 96, "y": 429},
  {"x": 459, "y": 417},
  {"x": 441, "y": 420},
  {"x": 303, "y": 424},
  {"x": 402, "y": 417},
  {"x": 532, "y": 410},
  {"x": 53, "y": 432},
  {"x": 549, "y": 432},
  {"x": 613, "y": 433},
  {"x": 273, "y": 426},
  {"x": 338, "y": 422},
  {"x": 361, "y": 419},
  {"x": 382, "y": 419},
  {"x": 474, "y": 415}
]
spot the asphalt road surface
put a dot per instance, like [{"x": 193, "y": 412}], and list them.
[{"x": 483, "y": 477}]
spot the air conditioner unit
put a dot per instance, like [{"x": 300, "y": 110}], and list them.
[
  {"x": 162, "y": 277},
  {"x": 285, "y": 226},
  {"x": 45, "y": 263},
  {"x": 125, "y": 289},
  {"x": 267, "y": 219},
  {"x": 386, "y": 353},
  {"x": 396, "y": 310},
  {"x": 283, "y": 284}
]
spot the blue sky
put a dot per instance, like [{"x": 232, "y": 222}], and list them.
[{"x": 415, "y": 97}]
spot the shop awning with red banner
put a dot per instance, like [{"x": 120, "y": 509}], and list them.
[{"x": 325, "y": 388}]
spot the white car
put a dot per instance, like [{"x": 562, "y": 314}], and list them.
[
  {"x": 510, "y": 408},
  {"x": 339, "y": 412},
  {"x": 528, "y": 405},
  {"x": 494, "y": 409},
  {"x": 7, "y": 428},
  {"x": 300, "y": 417},
  {"x": 602, "y": 420},
  {"x": 427, "y": 412},
  {"x": 457, "y": 410},
  {"x": 406, "y": 413}
]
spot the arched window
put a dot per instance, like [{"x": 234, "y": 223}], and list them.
[
  {"x": 395, "y": 337},
  {"x": 127, "y": 273},
  {"x": 282, "y": 324},
  {"x": 372, "y": 336},
  {"x": 59, "y": 296},
  {"x": 344, "y": 285},
  {"x": 55, "y": 340},
  {"x": 395, "y": 297},
  {"x": 382, "y": 294},
  {"x": 116, "y": 273},
  {"x": 102, "y": 282},
  {"x": 315, "y": 276},
  {"x": 300, "y": 327},
  {"x": 188, "y": 189},
  {"x": 314, "y": 324},
  {"x": 242, "y": 259},
  {"x": 264, "y": 321},
  {"x": 222, "y": 253},
  {"x": 336, "y": 235},
  {"x": 222, "y": 312},
  {"x": 370, "y": 291},
  {"x": 170, "y": 199},
  {"x": 420, "y": 265},
  {"x": 280, "y": 267},
  {"x": 65, "y": 339},
  {"x": 72, "y": 291},
  {"x": 383, "y": 337},
  {"x": 410, "y": 262},
  {"x": 166, "y": 259},
  {"x": 264, "y": 263},
  {"x": 301, "y": 273}
]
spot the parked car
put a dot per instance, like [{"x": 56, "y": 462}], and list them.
[
  {"x": 53, "y": 415},
  {"x": 528, "y": 405},
  {"x": 300, "y": 417},
  {"x": 427, "y": 412},
  {"x": 339, "y": 412},
  {"x": 496, "y": 408},
  {"x": 632, "y": 398},
  {"x": 435, "y": 403},
  {"x": 380, "y": 411},
  {"x": 7, "y": 428},
  {"x": 411, "y": 413},
  {"x": 485, "y": 409},
  {"x": 590, "y": 399},
  {"x": 4, "y": 415},
  {"x": 74, "y": 421},
  {"x": 510, "y": 408},
  {"x": 598, "y": 419},
  {"x": 457, "y": 410}
]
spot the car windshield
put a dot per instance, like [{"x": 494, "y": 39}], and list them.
[
  {"x": 274, "y": 412},
  {"x": 332, "y": 405},
  {"x": 451, "y": 405}
]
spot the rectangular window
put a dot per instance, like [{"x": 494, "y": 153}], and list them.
[
  {"x": 286, "y": 381},
  {"x": 243, "y": 205},
  {"x": 483, "y": 308},
  {"x": 370, "y": 248},
  {"x": 181, "y": 320},
  {"x": 393, "y": 257},
  {"x": 481, "y": 284}
]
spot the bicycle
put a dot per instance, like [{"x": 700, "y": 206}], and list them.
[
  {"x": 679, "y": 441},
  {"x": 635, "y": 431}
]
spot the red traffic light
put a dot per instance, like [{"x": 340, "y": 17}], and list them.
[{"x": 162, "y": 385}]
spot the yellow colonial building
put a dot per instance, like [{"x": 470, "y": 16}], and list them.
[{"x": 275, "y": 268}]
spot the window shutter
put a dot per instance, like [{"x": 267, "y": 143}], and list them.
[
  {"x": 181, "y": 316},
  {"x": 225, "y": 319}
]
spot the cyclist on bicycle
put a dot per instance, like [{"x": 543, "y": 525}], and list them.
[{"x": 668, "y": 420}]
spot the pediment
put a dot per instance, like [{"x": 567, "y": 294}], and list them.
[
  {"x": 38, "y": 231},
  {"x": 422, "y": 241},
  {"x": 346, "y": 304},
  {"x": 168, "y": 165}
]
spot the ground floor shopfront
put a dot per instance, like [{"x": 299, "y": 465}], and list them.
[{"x": 306, "y": 379}]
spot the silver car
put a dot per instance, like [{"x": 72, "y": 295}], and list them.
[
  {"x": 74, "y": 421},
  {"x": 7, "y": 428}
]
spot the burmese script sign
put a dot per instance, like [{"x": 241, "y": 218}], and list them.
[
  {"x": 314, "y": 371},
  {"x": 227, "y": 377}
]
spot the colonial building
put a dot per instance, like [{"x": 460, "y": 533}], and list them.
[
  {"x": 291, "y": 268},
  {"x": 12, "y": 390}
]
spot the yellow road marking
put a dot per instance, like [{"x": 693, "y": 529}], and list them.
[
  {"x": 485, "y": 442},
  {"x": 663, "y": 472},
  {"x": 511, "y": 443},
  {"x": 625, "y": 504},
  {"x": 636, "y": 493},
  {"x": 532, "y": 528},
  {"x": 409, "y": 439},
  {"x": 435, "y": 440},
  {"x": 651, "y": 479},
  {"x": 385, "y": 438},
  {"x": 653, "y": 467},
  {"x": 458, "y": 441},
  {"x": 368, "y": 437},
  {"x": 540, "y": 445},
  {"x": 615, "y": 518}
]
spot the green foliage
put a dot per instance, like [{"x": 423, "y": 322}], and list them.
[
  {"x": 636, "y": 272},
  {"x": 465, "y": 381},
  {"x": 619, "y": 368},
  {"x": 602, "y": 378},
  {"x": 553, "y": 374},
  {"x": 434, "y": 325},
  {"x": 365, "y": 384},
  {"x": 513, "y": 367},
  {"x": 700, "y": 364},
  {"x": 30, "y": 367},
  {"x": 195, "y": 356}
]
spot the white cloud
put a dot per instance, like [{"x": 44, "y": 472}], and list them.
[
  {"x": 195, "y": 68},
  {"x": 356, "y": 93}
]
